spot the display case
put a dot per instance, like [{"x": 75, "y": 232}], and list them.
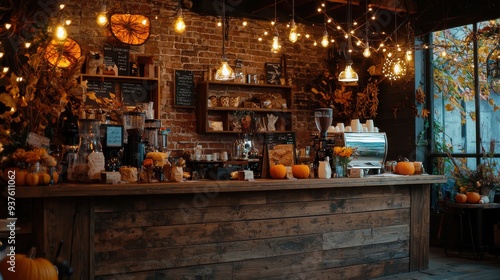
[{"x": 221, "y": 105}]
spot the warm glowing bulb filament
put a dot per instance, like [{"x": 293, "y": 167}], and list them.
[
  {"x": 366, "y": 52},
  {"x": 60, "y": 33},
  {"x": 276, "y": 44}
]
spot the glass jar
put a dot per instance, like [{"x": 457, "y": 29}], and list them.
[{"x": 89, "y": 161}]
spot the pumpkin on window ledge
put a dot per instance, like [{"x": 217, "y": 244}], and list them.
[
  {"x": 130, "y": 29},
  {"x": 405, "y": 168}
]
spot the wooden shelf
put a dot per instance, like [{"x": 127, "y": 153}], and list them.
[
  {"x": 149, "y": 85},
  {"x": 245, "y": 93}
]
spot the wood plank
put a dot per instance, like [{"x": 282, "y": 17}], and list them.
[
  {"x": 366, "y": 236},
  {"x": 340, "y": 257},
  {"x": 355, "y": 272},
  {"x": 179, "y": 215},
  {"x": 219, "y": 271},
  {"x": 158, "y": 202},
  {"x": 205, "y": 254},
  {"x": 179, "y": 235},
  {"x": 419, "y": 231},
  {"x": 68, "y": 220},
  {"x": 214, "y": 187},
  {"x": 335, "y": 193}
]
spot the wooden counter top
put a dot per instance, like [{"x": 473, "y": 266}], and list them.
[{"x": 210, "y": 186}]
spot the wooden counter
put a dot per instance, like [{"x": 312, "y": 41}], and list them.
[{"x": 275, "y": 229}]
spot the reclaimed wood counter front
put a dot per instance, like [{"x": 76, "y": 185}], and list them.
[{"x": 343, "y": 228}]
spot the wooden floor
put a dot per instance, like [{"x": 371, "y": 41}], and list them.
[{"x": 454, "y": 267}]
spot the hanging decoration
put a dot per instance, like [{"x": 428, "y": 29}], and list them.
[
  {"x": 131, "y": 29},
  {"x": 63, "y": 54},
  {"x": 493, "y": 69},
  {"x": 394, "y": 68}
]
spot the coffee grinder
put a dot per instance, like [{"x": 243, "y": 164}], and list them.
[
  {"x": 150, "y": 137},
  {"x": 112, "y": 144},
  {"x": 135, "y": 147},
  {"x": 323, "y": 118}
]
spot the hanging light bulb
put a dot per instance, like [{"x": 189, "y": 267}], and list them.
[
  {"x": 397, "y": 68},
  {"x": 324, "y": 39},
  {"x": 366, "y": 52},
  {"x": 293, "y": 32},
  {"x": 348, "y": 75},
  {"x": 225, "y": 72},
  {"x": 293, "y": 28},
  {"x": 179, "y": 25},
  {"x": 7, "y": 26},
  {"x": 1, "y": 54},
  {"x": 443, "y": 53},
  {"x": 408, "y": 55},
  {"x": 276, "y": 43},
  {"x": 102, "y": 17},
  {"x": 5, "y": 70},
  {"x": 60, "y": 33}
]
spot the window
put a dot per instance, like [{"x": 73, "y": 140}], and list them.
[{"x": 465, "y": 97}]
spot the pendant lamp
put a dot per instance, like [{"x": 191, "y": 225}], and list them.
[
  {"x": 348, "y": 75},
  {"x": 225, "y": 72}
]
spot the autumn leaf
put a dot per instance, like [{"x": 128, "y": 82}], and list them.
[
  {"x": 8, "y": 101},
  {"x": 449, "y": 107},
  {"x": 425, "y": 113}
]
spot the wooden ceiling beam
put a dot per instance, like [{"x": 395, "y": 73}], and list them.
[{"x": 395, "y": 5}]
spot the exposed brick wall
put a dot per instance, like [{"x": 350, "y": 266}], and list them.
[{"x": 200, "y": 48}]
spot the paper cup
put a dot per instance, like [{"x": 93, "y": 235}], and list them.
[
  {"x": 369, "y": 125},
  {"x": 341, "y": 127}
]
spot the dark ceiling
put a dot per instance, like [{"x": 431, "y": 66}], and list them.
[{"x": 424, "y": 15}]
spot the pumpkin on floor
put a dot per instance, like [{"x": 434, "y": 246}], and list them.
[{"x": 27, "y": 267}]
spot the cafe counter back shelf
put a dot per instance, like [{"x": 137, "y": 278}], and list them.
[{"x": 350, "y": 227}]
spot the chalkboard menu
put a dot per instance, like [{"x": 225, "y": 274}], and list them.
[
  {"x": 279, "y": 148},
  {"x": 101, "y": 89},
  {"x": 273, "y": 73},
  {"x": 116, "y": 59},
  {"x": 184, "y": 93},
  {"x": 133, "y": 93}
]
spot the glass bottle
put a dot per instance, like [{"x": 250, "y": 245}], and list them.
[{"x": 89, "y": 161}]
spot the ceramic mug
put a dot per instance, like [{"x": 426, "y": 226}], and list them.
[{"x": 208, "y": 157}]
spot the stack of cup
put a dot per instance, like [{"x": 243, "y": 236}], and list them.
[
  {"x": 369, "y": 126},
  {"x": 356, "y": 126}
]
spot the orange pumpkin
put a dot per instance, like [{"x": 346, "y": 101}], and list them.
[
  {"x": 21, "y": 177},
  {"x": 473, "y": 197},
  {"x": 405, "y": 168},
  {"x": 28, "y": 267},
  {"x": 32, "y": 179},
  {"x": 277, "y": 171},
  {"x": 460, "y": 198},
  {"x": 43, "y": 178},
  {"x": 300, "y": 171}
]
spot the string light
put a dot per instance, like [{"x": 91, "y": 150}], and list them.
[
  {"x": 394, "y": 68},
  {"x": 27, "y": 45},
  {"x": 60, "y": 33},
  {"x": 366, "y": 52},
  {"x": 324, "y": 39},
  {"x": 409, "y": 55},
  {"x": 7, "y": 26}
]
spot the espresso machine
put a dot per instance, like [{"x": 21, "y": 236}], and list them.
[
  {"x": 134, "y": 153},
  {"x": 323, "y": 118}
]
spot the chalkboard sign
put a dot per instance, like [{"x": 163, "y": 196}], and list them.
[
  {"x": 101, "y": 89},
  {"x": 133, "y": 93},
  {"x": 116, "y": 59},
  {"x": 279, "y": 148},
  {"x": 184, "y": 93},
  {"x": 273, "y": 73}
]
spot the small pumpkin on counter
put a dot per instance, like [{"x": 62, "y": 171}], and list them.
[
  {"x": 277, "y": 171},
  {"x": 405, "y": 168},
  {"x": 473, "y": 197},
  {"x": 460, "y": 198},
  {"x": 28, "y": 267},
  {"x": 301, "y": 171}
]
